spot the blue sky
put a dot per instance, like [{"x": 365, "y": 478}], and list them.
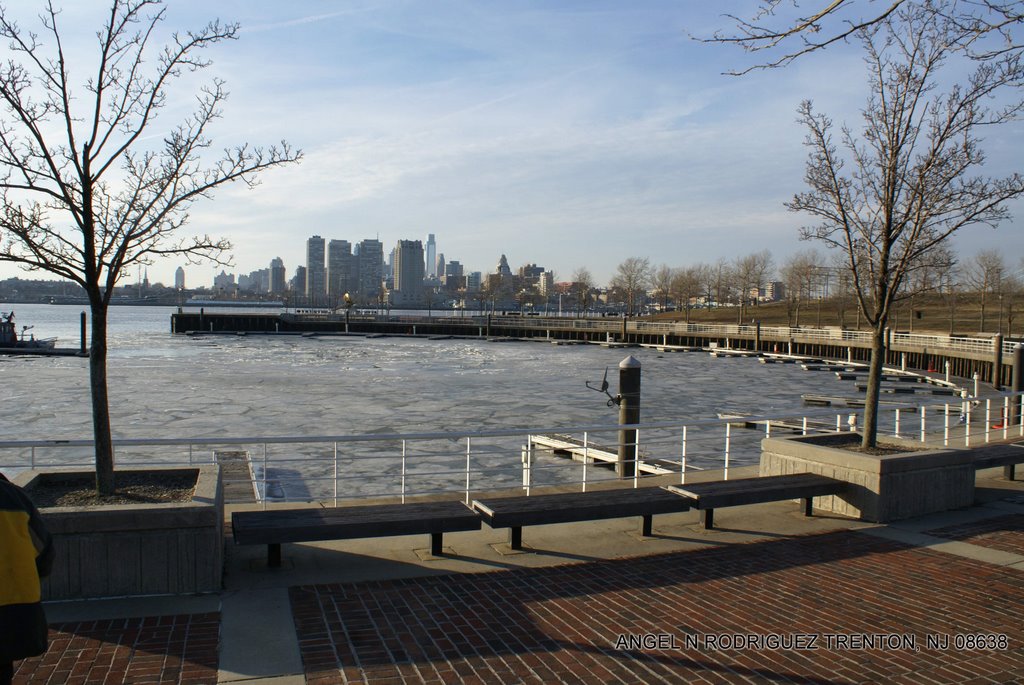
[{"x": 566, "y": 134}]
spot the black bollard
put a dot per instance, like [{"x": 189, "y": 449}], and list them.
[
  {"x": 629, "y": 414},
  {"x": 997, "y": 361},
  {"x": 82, "y": 332},
  {"x": 1017, "y": 384}
]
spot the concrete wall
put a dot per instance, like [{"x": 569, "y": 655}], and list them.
[
  {"x": 138, "y": 549},
  {"x": 882, "y": 487}
]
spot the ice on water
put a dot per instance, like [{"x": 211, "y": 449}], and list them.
[{"x": 164, "y": 386}]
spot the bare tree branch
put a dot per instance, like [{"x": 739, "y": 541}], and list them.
[
  {"x": 890, "y": 198},
  {"x": 782, "y": 33},
  {"x": 64, "y": 211}
]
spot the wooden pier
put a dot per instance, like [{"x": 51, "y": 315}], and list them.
[
  {"x": 960, "y": 357},
  {"x": 236, "y": 475}
]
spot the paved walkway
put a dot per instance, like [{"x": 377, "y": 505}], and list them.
[{"x": 772, "y": 597}]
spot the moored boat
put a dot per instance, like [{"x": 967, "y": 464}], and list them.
[{"x": 9, "y": 338}]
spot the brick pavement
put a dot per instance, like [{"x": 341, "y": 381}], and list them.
[
  {"x": 168, "y": 649},
  {"x": 1005, "y": 533},
  {"x": 574, "y": 623}
]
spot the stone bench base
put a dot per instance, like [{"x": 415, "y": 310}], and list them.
[{"x": 881, "y": 487}]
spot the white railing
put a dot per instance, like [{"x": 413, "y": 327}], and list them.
[{"x": 337, "y": 468}]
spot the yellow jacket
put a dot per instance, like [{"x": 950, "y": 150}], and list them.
[{"x": 26, "y": 555}]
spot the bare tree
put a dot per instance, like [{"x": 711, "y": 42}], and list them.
[
  {"x": 983, "y": 29},
  {"x": 949, "y": 291},
  {"x": 924, "y": 277},
  {"x": 582, "y": 288},
  {"x": 842, "y": 293},
  {"x": 911, "y": 186},
  {"x": 721, "y": 276},
  {"x": 1013, "y": 288},
  {"x": 749, "y": 276},
  {"x": 687, "y": 285},
  {"x": 709, "y": 277},
  {"x": 798, "y": 275},
  {"x": 661, "y": 282},
  {"x": 984, "y": 275},
  {"x": 86, "y": 195},
  {"x": 631, "y": 279}
]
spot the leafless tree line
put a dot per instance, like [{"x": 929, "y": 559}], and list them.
[{"x": 805, "y": 281}]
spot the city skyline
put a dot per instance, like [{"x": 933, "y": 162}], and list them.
[{"x": 576, "y": 134}]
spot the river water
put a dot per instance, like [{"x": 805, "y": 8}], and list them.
[{"x": 167, "y": 386}]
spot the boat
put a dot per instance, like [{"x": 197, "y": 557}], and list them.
[{"x": 9, "y": 338}]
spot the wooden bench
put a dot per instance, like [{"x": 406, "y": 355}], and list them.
[
  {"x": 1007, "y": 456},
  {"x": 729, "y": 493},
  {"x": 516, "y": 512},
  {"x": 272, "y": 527}
]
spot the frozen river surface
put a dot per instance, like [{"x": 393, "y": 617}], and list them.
[{"x": 165, "y": 386}]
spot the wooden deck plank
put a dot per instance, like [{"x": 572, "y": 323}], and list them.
[
  {"x": 337, "y": 523},
  {"x": 758, "y": 490},
  {"x": 508, "y": 512}
]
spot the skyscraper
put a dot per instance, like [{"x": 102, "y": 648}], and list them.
[
  {"x": 339, "y": 267},
  {"x": 179, "y": 279},
  {"x": 278, "y": 282},
  {"x": 431, "y": 256},
  {"x": 371, "y": 269},
  {"x": 408, "y": 291},
  {"x": 316, "y": 281},
  {"x": 298, "y": 282},
  {"x": 453, "y": 275}
]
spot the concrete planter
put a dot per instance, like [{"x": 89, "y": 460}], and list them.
[
  {"x": 137, "y": 549},
  {"x": 882, "y": 487}
]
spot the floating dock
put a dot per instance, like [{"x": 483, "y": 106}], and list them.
[
  {"x": 43, "y": 352},
  {"x": 794, "y": 425},
  {"x": 726, "y": 352},
  {"x": 567, "y": 445},
  {"x": 672, "y": 348},
  {"x": 833, "y": 401}
]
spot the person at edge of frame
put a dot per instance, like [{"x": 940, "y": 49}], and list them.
[{"x": 26, "y": 556}]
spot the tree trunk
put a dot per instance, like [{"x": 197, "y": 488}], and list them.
[
  {"x": 100, "y": 402},
  {"x": 874, "y": 386}
]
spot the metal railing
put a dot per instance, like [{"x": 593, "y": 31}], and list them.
[
  {"x": 936, "y": 343},
  {"x": 336, "y": 468}
]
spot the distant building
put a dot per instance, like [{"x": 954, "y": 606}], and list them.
[
  {"x": 772, "y": 292},
  {"x": 503, "y": 269},
  {"x": 546, "y": 284},
  {"x": 256, "y": 281},
  {"x": 453, "y": 276},
  {"x": 439, "y": 267},
  {"x": 316, "y": 272},
  {"x": 431, "y": 257},
  {"x": 298, "y": 282},
  {"x": 278, "y": 282},
  {"x": 530, "y": 272},
  {"x": 408, "y": 276},
  {"x": 179, "y": 278},
  {"x": 224, "y": 281},
  {"x": 340, "y": 270},
  {"x": 370, "y": 265},
  {"x": 474, "y": 280}
]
